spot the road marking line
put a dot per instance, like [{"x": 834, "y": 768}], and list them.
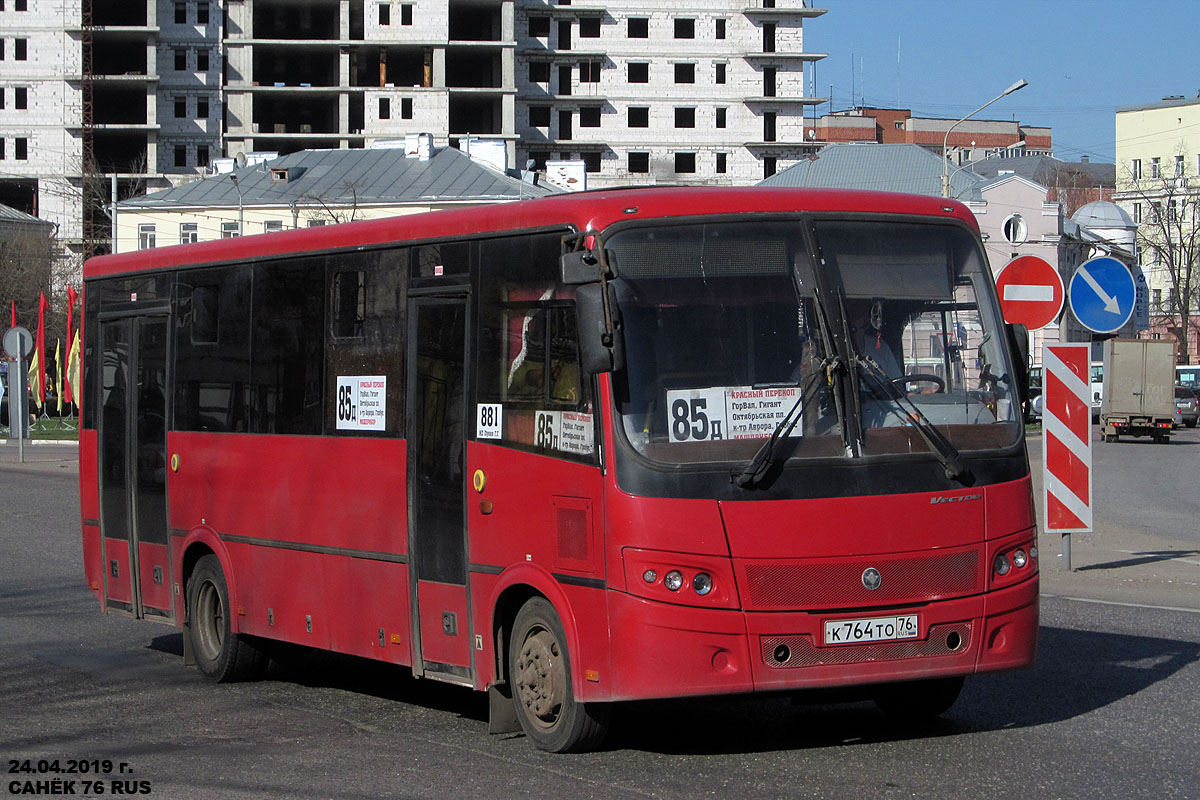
[{"x": 1125, "y": 605}]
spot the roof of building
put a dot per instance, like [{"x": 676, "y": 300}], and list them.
[
  {"x": 1102, "y": 214},
  {"x": 12, "y": 216},
  {"x": 1166, "y": 102},
  {"x": 906, "y": 168},
  {"x": 346, "y": 177},
  {"x": 1046, "y": 169}
]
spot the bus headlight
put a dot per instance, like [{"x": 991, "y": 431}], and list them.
[
  {"x": 673, "y": 580},
  {"x": 702, "y": 583},
  {"x": 1001, "y": 565},
  {"x": 1020, "y": 559}
]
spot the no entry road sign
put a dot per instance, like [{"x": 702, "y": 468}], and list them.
[{"x": 1031, "y": 292}]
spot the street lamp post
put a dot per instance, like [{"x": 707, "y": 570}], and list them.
[{"x": 1021, "y": 84}]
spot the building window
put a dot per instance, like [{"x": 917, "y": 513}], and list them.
[
  {"x": 720, "y": 28},
  {"x": 721, "y": 114},
  {"x": 405, "y": 108},
  {"x": 272, "y": 226},
  {"x": 564, "y": 34},
  {"x": 20, "y": 49},
  {"x": 180, "y": 107},
  {"x": 589, "y": 117},
  {"x": 1015, "y": 230},
  {"x": 189, "y": 232},
  {"x": 229, "y": 230},
  {"x": 202, "y": 155},
  {"x": 202, "y": 13},
  {"x": 539, "y": 116},
  {"x": 769, "y": 166},
  {"x": 720, "y": 69},
  {"x": 769, "y": 81},
  {"x": 589, "y": 72},
  {"x": 385, "y": 108},
  {"x": 539, "y": 71},
  {"x": 180, "y": 155},
  {"x": 18, "y": 5},
  {"x": 406, "y": 12},
  {"x": 639, "y": 163},
  {"x": 385, "y": 13},
  {"x": 180, "y": 59},
  {"x": 589, "y": 28},
  {"x": 564, "y": 78},
  {"x": 312, "y": 223},
  {"x": 1137, "y": 213},
  {"x": 1, "y": 49},
  {"x": 638, "y": 28},
  {"x": 685, "y": 73},
  {"x": 202, "y": 60},
  {"x": 539, "y": 27},
  {"x": 591, "y": 162},
  {"x": 1179, "y": 166},
  {"x": 21, "y": 98},
  {"x": 639, "y": 116},
  {"x": 639, "y": 72},
  {"x": 769, "y": 37},
  {"x": 201, "y": 108},
  {"x": 721, "y": 162},
  {"x": 1, "y": 90},
  {"x": 685, "y": 28},
  {"x": 768, "y": 126},
  {"x": 1135, "y": 169},
  {"x": 685, "y": 163},
  {"x": 181, "y": 13},
  {"x": 146, "y": 236},
  {"x": 685, "y": 117},
  {"x": 2, "y": 148},
  {"x": 21, "y": 148},
  {"x": 564, "y": 126},
  {"x": 1155, "y": 167}
]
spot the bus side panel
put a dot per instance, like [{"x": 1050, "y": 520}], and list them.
[
  {"x": 314, "y": 527},
  {"x": 89, "y": 502},
  {"x": 154, "y": 586}
]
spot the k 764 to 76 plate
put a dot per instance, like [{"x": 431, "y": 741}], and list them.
[{"x": 874, "y": 629}]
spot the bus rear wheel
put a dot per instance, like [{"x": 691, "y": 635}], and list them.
[
  {"x": 539, "y": 668},
  {"x": 915, "y": 701},
  {"x": 221, "y": 654}
]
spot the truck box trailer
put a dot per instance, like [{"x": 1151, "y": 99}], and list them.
[{"x": 1139, "y": 389}]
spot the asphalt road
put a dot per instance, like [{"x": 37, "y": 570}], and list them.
[{"x": 1109, "y": 711}]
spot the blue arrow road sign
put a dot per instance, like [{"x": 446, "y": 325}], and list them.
[{"x": 1102, "y": 294}]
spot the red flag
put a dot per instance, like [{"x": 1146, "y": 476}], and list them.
[
  {"x": 66, "y": 389},
  {"x": 41, "y": 346}
]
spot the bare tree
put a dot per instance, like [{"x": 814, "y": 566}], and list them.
[
  {"x": 334, "y": 209},
  {"x": 1165, "y": 199}
]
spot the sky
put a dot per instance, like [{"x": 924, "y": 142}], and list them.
[{"x": 945, "y": 58}]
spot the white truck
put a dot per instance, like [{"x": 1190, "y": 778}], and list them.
[{"x": 1139, "y": 389}]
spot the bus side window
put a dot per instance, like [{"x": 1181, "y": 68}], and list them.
[{"x": 212, "y": 349}]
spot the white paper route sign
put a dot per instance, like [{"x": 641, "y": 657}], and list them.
[
  {"x": 362, "y": 402},
  {"x": 728, "y": 412}
]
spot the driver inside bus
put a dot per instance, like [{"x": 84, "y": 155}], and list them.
[{"x": 867, "y": 335}]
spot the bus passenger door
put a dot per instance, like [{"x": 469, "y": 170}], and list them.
[
  {"x": 436, "y": 432},
  {"x": 133, "y": 467}
]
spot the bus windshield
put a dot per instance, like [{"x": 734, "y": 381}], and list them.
[{"x": 734, "y": 334}]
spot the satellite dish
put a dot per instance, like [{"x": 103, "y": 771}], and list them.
[{"x": 239, "y": 160}]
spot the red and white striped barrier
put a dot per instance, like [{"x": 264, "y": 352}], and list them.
[{"x": 1067, "y": 437}]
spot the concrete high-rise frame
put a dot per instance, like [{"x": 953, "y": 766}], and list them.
[{"x": 149, "y": 92}]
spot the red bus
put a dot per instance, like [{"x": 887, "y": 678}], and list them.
[{"x": 574, "y": 451}]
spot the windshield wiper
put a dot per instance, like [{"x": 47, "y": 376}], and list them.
[
  {"x": 938, "y": 444},
  {"x": 768, "y": 454}
]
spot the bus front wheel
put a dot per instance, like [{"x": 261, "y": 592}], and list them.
[
  {"x": 918, "y": 700},
  {"x": 539, "y": 668},
  {"x": 221, "y": 654}
]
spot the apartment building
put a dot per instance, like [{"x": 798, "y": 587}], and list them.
[
  {"x": 143, "y": 94},
  {"x": 1158, "y": 184}
]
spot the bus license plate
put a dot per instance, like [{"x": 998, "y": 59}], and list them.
[{"x": 876, "y": 629}]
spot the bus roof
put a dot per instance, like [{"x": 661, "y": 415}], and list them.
[{"x": 593, "y": 210}]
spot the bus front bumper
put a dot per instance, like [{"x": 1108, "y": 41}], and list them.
[{"x": 660, "y": 650}]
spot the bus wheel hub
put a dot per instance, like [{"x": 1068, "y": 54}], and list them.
[{"x": 540, "y": 678}]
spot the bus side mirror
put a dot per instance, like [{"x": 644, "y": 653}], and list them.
[
  {"x": 601, "y": 342},
  {"x": 578, "y": 267},
  {"x": 1018, "y": 341}
]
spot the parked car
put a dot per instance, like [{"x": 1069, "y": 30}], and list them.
[{"x": 1187, "y": 406}]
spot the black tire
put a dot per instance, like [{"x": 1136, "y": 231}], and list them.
[
  {"x": 539, "y": 669},
  {"x": 221, "y": 654},
  {"x": 916, "y": 701}
]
